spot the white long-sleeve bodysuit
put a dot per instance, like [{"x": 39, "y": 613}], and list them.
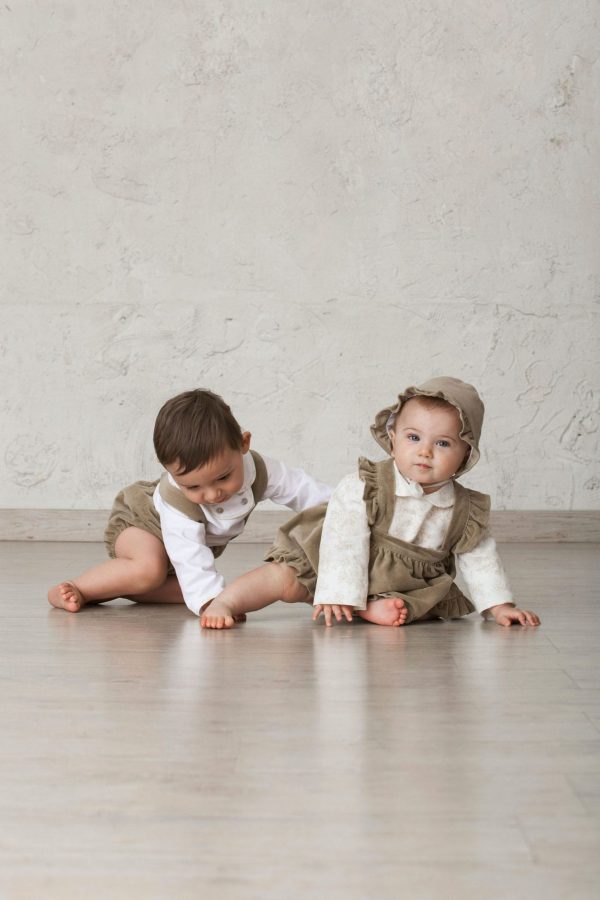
[{"x": 188, "y": 543}]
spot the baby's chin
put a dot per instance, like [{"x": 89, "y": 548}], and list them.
[{"x": 423, "y": 476}]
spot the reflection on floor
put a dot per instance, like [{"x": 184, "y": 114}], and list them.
[{"x": 144, "y": 758}]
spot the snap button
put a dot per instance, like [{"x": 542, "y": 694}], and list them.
[
  {"x": 220, "y": 509},
  {"x": 245, "y": 501}
]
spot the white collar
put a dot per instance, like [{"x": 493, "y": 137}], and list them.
[{"x": 405, "y": 487}]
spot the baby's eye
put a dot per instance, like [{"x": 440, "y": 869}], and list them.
[
  {"x": 444, "y": 443},
  {"x": 412, "y": 437},
  {"x": 224, "y": 477}
]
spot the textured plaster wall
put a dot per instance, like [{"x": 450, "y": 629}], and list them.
[{"x": 304, "y": 206}]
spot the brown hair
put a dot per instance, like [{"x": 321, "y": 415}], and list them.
[{"x": 194, "y": 427}]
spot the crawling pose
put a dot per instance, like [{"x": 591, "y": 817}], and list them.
[{"x": 163, "y": 536}]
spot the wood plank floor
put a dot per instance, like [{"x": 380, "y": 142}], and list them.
[{"x": 143, "y": 758}]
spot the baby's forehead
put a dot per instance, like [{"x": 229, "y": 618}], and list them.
[{"x": 423, "y": 408}]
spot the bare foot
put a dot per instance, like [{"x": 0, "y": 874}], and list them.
[
  {"x": 218, "y": 615},
  {"x": 385, "y": 611},
  {"x": 66, "y": 596}
]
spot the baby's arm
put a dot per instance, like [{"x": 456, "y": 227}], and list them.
[
  {"x": 343, "y": 576},
  {"x": 293, "y": 488},
  {"x": 192, "y": 559},
  {"x": 488, "y": 585}
]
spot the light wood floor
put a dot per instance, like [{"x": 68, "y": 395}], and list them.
[{"x": 143, "y": 758}]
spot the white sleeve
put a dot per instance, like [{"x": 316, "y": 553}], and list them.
[
  {"x": 193, "y": 560},
  {"x": 293, "y": 488},
  {"x": 343, "y": 575},
  {"x": 484, "y": 575}
]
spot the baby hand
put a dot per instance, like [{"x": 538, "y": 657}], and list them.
[
  {"x": 338, "y": 610},
  {"x": 505, "y": 615}
]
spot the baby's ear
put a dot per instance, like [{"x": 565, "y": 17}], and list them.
[{"x": 246, "y": 438}]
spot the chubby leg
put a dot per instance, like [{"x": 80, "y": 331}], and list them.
[
  {"x": 391, "y": 611},
  {"x": 139, "y": 572},
  {"x": 167, "y": 592},
  {"x": 252, "y": 591}
]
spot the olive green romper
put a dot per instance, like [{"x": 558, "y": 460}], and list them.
[
  {"x": 134, "y": 506},
  {"x": 423, "y": 578}
]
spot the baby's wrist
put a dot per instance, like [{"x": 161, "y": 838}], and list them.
[{"x": 498, "y": 609}]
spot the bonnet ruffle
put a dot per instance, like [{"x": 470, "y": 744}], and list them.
[{"x": 460, "y": 394}]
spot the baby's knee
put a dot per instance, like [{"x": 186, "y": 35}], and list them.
[
  {"x": 293, "y": 591},
  {"x": 151, "y": 573}
]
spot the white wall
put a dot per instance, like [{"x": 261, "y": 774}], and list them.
[{"x": 304, "y": 206}]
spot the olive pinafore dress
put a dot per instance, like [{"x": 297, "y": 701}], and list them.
[{"x": 423, "y": 578}]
